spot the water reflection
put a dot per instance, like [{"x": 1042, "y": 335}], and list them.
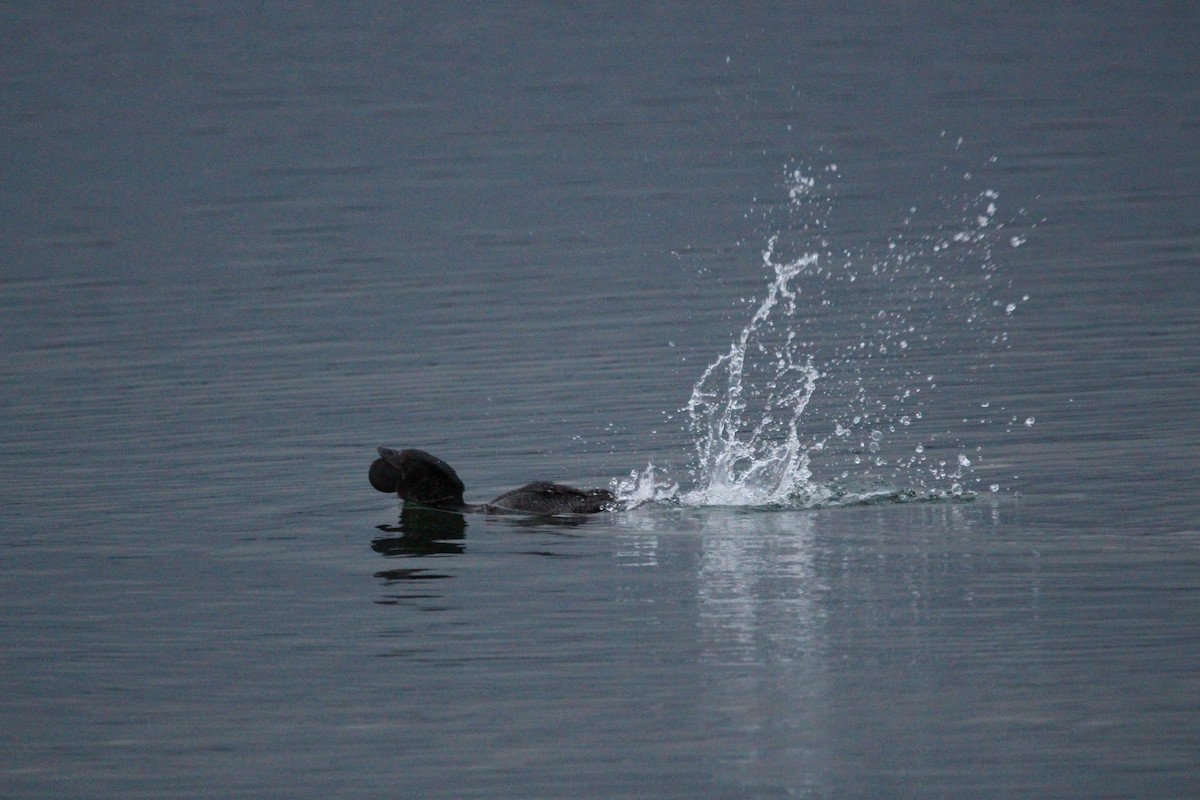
[
  {"x": 394, "y": 575},
  {"x": 544, "y": 521},
  {"x": 432, "y": 532},
  {"x": 426, "y": 533},
  {"x": 423, "y": 532}
]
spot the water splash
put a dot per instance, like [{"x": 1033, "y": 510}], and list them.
[
  {"x": 821, "y": 398},
  {"x": 751, "y": 453}
]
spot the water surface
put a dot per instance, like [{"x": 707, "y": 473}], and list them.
[{"x": 242, "y": 247}]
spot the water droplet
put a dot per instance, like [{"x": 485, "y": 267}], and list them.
[
  {"x": 877, "y": 435},
  {"x": 920, "y": 448},
  {"x": 1029, "y": 422},
  {"x": 995, "y": 487},
  {"x": 905, "y": 420},
  {"x": 963, "y": 461}
]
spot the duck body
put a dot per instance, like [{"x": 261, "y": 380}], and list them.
[{"x": 423, "y": 479}]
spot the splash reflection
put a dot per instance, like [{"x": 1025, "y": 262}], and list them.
[
  {"x": 761, "y": 635},
  {"x": 804, "y": 618},
  {"x": 754, "y": 570},
  {"x": 756, "y": 590}
]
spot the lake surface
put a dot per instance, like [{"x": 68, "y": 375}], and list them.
[{"x": 882, "y": 322}]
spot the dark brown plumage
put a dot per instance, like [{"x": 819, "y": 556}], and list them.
[{"x": 420, "y": 478}]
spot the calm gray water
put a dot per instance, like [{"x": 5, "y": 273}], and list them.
[{"x": 954, "y": 250}]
